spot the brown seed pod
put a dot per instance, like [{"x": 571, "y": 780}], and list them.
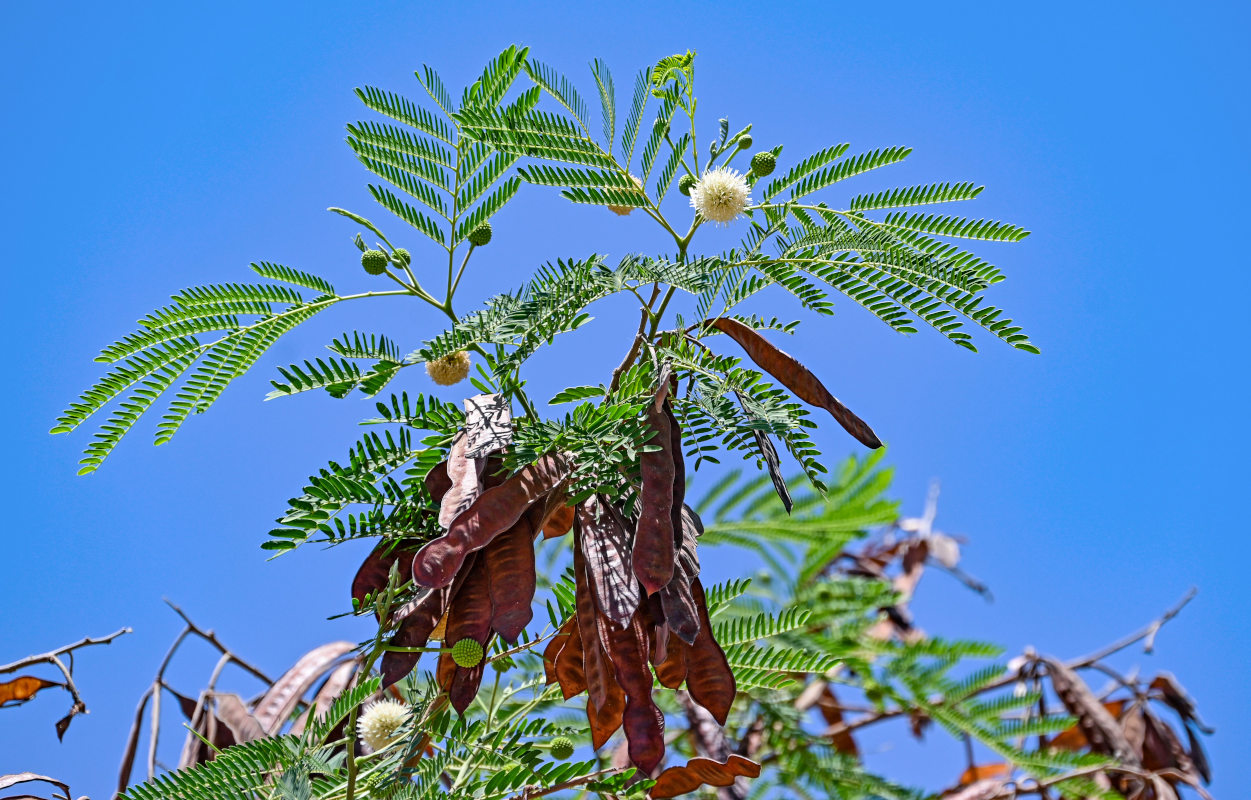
[
  {"x": 509, "y": 561},
  {"x": 375, "y": 570},
  {"x": 469, "y": 617},
  {"x": 679, "y": 472},
  {"x": 605, "y": 544},
  {"x": 643, "y": 722},
  {"x": 796, "y": 377},
  {"x": 569, "y": 669},
  {"x": 557, "y": 643},
  {"x": 653, "y": 537},
  {"x": 676, "y": 598},
  {"x": 671, "y": 671},
  {"x": 418, "y": 621},
  {"x": 605, "y": 720},
  {"x": 698, "y": 772},
  {"x": 708, "y": 675},
  {"x": 437, "y": 481},
  {"x": 594, "y": 667},
  {"x": 465, "y": 480},
  {"x": 496, "y": 510}
]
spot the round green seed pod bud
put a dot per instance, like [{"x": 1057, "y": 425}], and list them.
[
  {"x": 685, "y": 183},
  {"x": 402, "y": 257},
  {"x": 480, "y": 235},
  {"x": 744, "y": 142},
  {"x": 763, "y": 163},
  {"x": 562, "y": 748},
  {"x": 375, "y": 261},
  {"x": 467, "y": 653}
]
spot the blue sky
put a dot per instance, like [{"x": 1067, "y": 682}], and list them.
[{"x": 153, "y": 149}]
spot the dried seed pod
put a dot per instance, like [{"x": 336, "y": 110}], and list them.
[
  {"x": 568, "y": 667},
  {"x": 605, "y": 544},
  {"x": 643, "y": 722},
  {"x": 708, "y": 675},
  {"x": 418, "y": 621},
  {"x": 676, "y": 598},
  {"x": 796, "y": 377},
  {"x": 465, "y": 479},
  {"x": 605, "y": 720},
  {"x": 679, "y": 472},
  {"x": 653, "y": 537},
  {"x": 557, "y": 643},
  {"x": 671, "y": 671},
  {"x": 698, "y": 772},
  {"x": 437, "y": 481},
  {"x": 375, "y": 570},
  {"x": 509, "y": 560},
  {"x": 594, "y": 668},
  {"x": 496, "y": 510},
  {"x": 469, "y": 617}
]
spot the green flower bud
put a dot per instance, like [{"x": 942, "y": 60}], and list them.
[
  {"x": 375, "y": 261},
  {"x": 744, "y": 142},
  {"x": 562, "y": 748},
  {"x": 402, "y": 257},
  {"x": 480, "y": 235},
  {"x": 467, "y": 653},
  {"x": 763, "y": 163},
  {"x": 685, "y": 183}
]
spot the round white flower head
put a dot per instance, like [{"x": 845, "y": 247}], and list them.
[
  {"x": 621, "y": 211},
  {"x": 450, "y": 369},
  {"x": 721, "y": 195},
  {"x": 378, "y": 725}
]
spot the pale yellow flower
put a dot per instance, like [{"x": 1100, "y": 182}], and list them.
[
  {"x": 449, "y": 369},
  {"x": 721, "y": 195},
  {"x": 621, "y": 211},
  {"x": 381, "y": 721}
]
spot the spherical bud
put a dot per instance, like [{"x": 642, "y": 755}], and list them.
[
  {"x": 480, "y": 235},
  {"x": 621, "y": 211},
  {"x": 402, "y": 257},
  {"x": 685, "y": 183},
  {"x": 375, "y": 261},
  {"x": 450, "y": 369},
  {"x": 744, "y": 142},
  {"x": 562, "y": 748},
  {"x": 763, "y": 163},
  {"x": 467, "y": 653},
  {"x": 380, "y": 724},
  {"x": 721, "y": 195}
]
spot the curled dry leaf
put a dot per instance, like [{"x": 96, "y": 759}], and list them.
[
  {"x": 495, "y": 511},
  {"x": 796, "y": 377},
  {"x": 700, "y": 772},
  {"x": 23, "y": 688}
]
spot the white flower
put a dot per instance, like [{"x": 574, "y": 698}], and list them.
[
  {"x": 378, "y": 725},
  {"x": 721, "y": 195}
]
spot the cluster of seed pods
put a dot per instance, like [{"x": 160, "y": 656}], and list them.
[{"x": 639, "y": 604}]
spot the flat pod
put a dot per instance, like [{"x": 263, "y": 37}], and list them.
[
  {"x": 653, "y": 537},
  {"x": 418, "y": 621},
  {"x": 510, "y": 562},
  {"x": 469, "y": 617},
  {"x": 594, "y": 668},
  {"x": 677, "y": 598},
  {"x": 702, "y": 772},
  {"x": 679, "y": 472},
  {"x": 671, "y": 671},
  {"x": 796, "y": 377},
  {"x": 605, "y": 545},
  {"x": 552, "y": 651},
  {"x": 605, "y": 719},
  {"x": 465, "y": 480},
  {"x": 375, "y": 570},
  {"x": 568, "y": 667},
  {"x": 643, "y": 722},
  {"x": 495, "y": 511},
  {"x": 708, "y": 675}
]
